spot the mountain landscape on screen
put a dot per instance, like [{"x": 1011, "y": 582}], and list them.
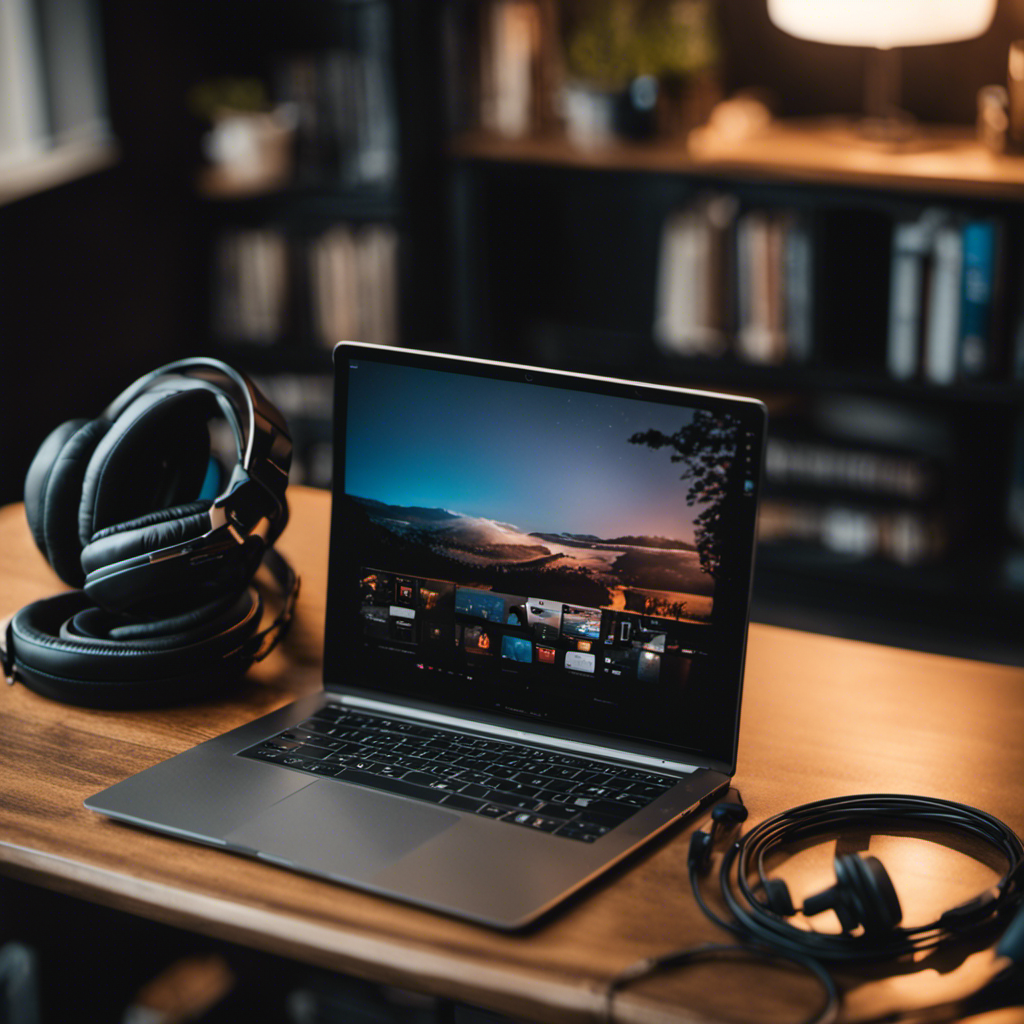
[{"x": 651, "y": 575}]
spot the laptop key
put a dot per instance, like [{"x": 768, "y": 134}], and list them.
[
  {"x": 571, "y": 831},
  {"x": 445, "y": 786},
  {"x": 535, "y": 821},
  {"x": 603, "y": 821},
  {"x": 492, "y": 810},
  {"x": 390, "y": 785},
  {"x": 511, "y": 800},
  {"x": 313, "y": 753},
  {"x": 462, "y": 803},
  {"x": 609, "y": 809},
  {"x": 559, "y": 811},
  {"x": 419, "y": 778},
  {"x": 265, "y": 754}
]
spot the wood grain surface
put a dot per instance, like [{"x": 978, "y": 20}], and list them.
[
  {"x": 822, "y": 717},
  {"x": 942, "y": 160}
]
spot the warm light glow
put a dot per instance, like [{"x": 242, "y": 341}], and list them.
[{"x": 882, "y": 23}]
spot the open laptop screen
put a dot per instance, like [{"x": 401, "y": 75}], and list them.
[{"x": 565, "y": 550}]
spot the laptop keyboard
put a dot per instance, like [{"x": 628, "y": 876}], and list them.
[{"x": 568, "y": 795}]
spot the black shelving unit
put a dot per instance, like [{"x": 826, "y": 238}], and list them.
[
  {"x": 533, "y": 250},
  {"x": 360, "y": 88},
  {"x": 557, "y": 261}
]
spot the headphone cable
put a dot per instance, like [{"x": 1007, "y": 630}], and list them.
[{"x": 764, "y": 935}]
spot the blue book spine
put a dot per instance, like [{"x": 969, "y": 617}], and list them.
[{"x": 980, "y": 246}]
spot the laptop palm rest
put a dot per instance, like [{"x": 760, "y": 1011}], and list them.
[{"x": 341, "y": 831}]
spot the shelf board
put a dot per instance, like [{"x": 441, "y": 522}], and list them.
[
  {"x": 54, "y": 167},
  {"x": 639, "y": 355},
  {"x": 317, "y": 203},
  {"x": 946, "y": 160},
  {"x": 801, "y": 377}
]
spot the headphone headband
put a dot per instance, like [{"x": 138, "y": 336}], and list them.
[
  {"x": 242, "y": 520},
  {"x": 260, "y": 430}
]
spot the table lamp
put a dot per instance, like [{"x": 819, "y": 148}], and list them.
[{"x": 883, "y": 26}]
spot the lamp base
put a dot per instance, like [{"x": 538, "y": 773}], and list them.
[
  {"x": 896, "y": 130},
  {"x": 885, "y": 122}
]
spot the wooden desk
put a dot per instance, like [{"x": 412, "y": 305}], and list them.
[{"x": 821, "y": 717}]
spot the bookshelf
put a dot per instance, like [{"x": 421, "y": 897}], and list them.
[
  {"x": 517, "y": 243},
  {"x": 314, "y": 242},
  {"x": 895, "y": 480}
]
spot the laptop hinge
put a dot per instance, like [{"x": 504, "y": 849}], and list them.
[{"x": 518, "y": 735}]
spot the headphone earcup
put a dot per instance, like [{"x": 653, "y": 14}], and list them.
[
  {"x": 870, "y": 891},
  {"x": 863, "y": 895},
  {"x": 777, "y": 898},
  {"x": 66, "y": 650},
  {"x": 53, "y": 492},
  {"x": 121, "y": 576},
  {"x": 154, "y": 456}
]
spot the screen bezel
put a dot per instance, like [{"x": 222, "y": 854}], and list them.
[{"x": 344, "y": 563}]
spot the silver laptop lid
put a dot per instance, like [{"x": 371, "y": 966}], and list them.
[{"x": 568, "y": 553}]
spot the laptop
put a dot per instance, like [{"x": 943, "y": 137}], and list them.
[{"x": 537, "y": 612}]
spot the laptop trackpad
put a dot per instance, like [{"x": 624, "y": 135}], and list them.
[{"x": 340, "y": 830}]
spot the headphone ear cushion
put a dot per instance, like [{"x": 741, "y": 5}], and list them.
[
  {"x": 146, "y": 534},
  {"x": 53, "y": 492},
  {"x": 63, "y": 662},
  {"x": 154, "y": 456},
  {"x": 870, "y": 892},
  {"x": 777, "y": 897}
]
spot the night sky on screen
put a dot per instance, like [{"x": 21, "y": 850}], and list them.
[{"x": 539, "y": 458}]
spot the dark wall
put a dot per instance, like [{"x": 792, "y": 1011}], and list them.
[{"x": 91, "y": 271}]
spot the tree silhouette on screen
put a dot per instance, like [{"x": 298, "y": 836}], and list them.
[{"x": 706, "y": 448}]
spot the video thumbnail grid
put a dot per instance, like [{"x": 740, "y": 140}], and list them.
[{"x": 482, "y": 633}]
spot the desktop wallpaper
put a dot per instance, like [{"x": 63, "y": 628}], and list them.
[{"x": 538, "y": 490}]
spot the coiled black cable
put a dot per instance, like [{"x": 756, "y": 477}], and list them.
[
  {"x": 764, "y": 934},
  {"x": 875, "y": 812}
]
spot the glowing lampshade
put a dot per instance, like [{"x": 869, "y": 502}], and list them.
[{"x": 882, "y": 24}]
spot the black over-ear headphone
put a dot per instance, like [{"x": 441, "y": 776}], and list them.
[{"x": 131, "y": 508}]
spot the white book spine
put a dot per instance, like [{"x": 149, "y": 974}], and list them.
[{"x": 942, "y": 343}]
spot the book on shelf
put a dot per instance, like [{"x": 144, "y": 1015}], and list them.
[
  {"x": 858, "y": 499},
  {"x": 495, "y": 75},
  {"x": 980, "y": 297},
  {"x": 945, "y": 297},
  {"x": 73, "y": 66},
  {"x": 344, "y": 103},
  {"x": 23, "y": 127},
  {"x": 910, "y": 277},
  {"x": 353, "y": 271},
  {"x": 694, "y": 268},
  {"x": 732, "y": 280},
  {"x": 908, "y": 537},
  {"x": 460, "y": 65},
  {"x": 510, "y": 48},
  {"x": 942, "y": 324},
  {"x": 814, "y": 463},
  {"x": 251, "y": 285},
  {"x": 342, "y": 282}
]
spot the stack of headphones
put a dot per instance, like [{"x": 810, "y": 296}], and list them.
[{"x": 160, "y": 541}]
